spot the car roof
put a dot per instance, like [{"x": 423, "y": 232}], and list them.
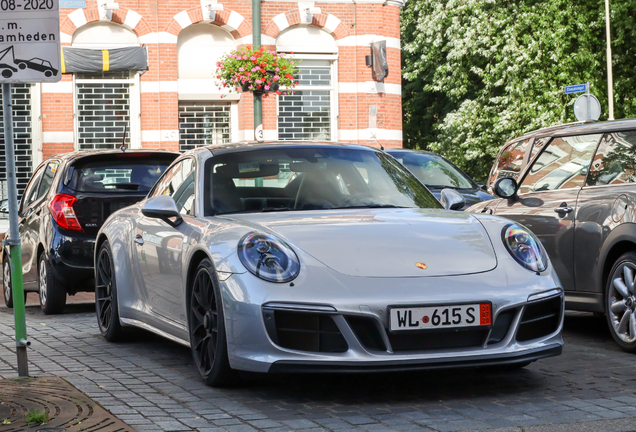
[
  {"x": 272, "y": 145},
  {"x": 580, "y": 128}
]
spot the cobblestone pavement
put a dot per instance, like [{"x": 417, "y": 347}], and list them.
[{"x": 152, "y": 385}]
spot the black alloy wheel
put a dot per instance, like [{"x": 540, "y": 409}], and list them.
[
  {"x": 106, "y": 306},
  {"x": 207, "y": 328},
  {"x": 7, "y": 288},
  {"x": 51, "y": 290},
  {"x": 620, "y": 301}
]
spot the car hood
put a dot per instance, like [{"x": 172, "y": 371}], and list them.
[{"x": 384, "y": 242}]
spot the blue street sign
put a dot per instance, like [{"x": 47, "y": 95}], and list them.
[
  {"x": 579, "y": 88},
  {"x": 72, "y": 4}
]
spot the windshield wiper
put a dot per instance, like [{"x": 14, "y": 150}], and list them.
[
  {"x": 371, "y": 206},
  {"x": 129, "y": 186},
  {"x": 275, "y": 209}
]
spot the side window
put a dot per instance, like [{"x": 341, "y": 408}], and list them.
[
  {"x": 47, "y": 178},
  {"x": 510, "y": 161},
  {"x": 172, "y": 179},
  {"x": 563, "y": 164},
  {"x": 30, "y": 193},
  {"x": 615, "y": 160},
  {"x": 184, "y": 196}
]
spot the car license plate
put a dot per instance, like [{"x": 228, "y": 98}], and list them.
[{"x": 432, "y": 317}]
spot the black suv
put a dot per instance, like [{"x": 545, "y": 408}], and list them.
[
  {"x": 574, "y": 186},
  {"x": 65, "y": 203}
]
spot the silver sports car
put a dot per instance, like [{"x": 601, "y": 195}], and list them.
[{"x": 319, "y": 257}]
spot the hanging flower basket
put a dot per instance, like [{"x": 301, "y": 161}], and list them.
[{"x": 259, "y": 71}]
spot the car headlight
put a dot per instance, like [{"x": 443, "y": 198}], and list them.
[
  {"x": 268, "y": 257},
  {"x": 525, "y": 248}
]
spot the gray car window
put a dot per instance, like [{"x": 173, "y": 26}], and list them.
[
  {"x": 30, "y": 194},
  {"x": 615, "y": 160},
  {"x": 563, "y": 164},
  {"x": 510, "y": 161},
  {"x": 47, "y": 178}
]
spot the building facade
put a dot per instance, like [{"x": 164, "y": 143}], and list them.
[{"x": 176, "y": 103}]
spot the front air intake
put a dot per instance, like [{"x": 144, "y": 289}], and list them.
[
  {"x": 539, "y": 319},
  {"x": 304, "y": 331}
]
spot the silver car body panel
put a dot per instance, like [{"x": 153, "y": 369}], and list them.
[{"x": 364, "y": 265}]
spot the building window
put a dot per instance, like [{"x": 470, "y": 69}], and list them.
[
  {"x": 306, "y": 113},
  {"x": 203, "y": 123},
  {"x": 103, "y": 110},
  {"x": 21, "y": 104}
]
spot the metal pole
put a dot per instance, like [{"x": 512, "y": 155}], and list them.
[
  {"x": 610, "y": 83},
  {"x": 258, "y": 97},
  {"x": 589, "y": 102},
  {"x": 15, "y": 252}
]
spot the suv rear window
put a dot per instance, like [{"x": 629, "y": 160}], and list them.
[{"x": 124, "y": 172}]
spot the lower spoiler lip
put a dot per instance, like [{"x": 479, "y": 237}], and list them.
[{"x": 285, "y": 366}]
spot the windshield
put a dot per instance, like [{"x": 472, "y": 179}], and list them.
[
  {"x": 137, "y": 174},
  {"x": 434, "y": 171},
  {"x": 310, "y": 179}
]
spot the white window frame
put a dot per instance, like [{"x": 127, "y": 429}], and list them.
[
  {"x": 332, "y": 89},
  {"x": 134, "y": 132}
]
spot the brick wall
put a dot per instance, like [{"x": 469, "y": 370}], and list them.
[{"x": 158, "y": 24}]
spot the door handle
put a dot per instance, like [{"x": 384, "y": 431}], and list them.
[
  {"x": 139, "y": 239},
  {"x": 564, "y": 209}
]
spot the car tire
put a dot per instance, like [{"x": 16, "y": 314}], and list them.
[
  {"x": 52, "y": 292},
  {"x": 48, "y": 73},
  {"x": 7, "y": 290},
  {"x": 22, "y": 66},
  {"x": 106, "y": 303},
  {"x": 620, "y": 301},
  {"x": 206, "y": 326}
]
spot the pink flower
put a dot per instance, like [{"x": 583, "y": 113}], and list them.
[
  {"x": 276, "y": 77},
  {"x": 252, "y": 58},
  {"x": 258, "y": 81},
  {"x": 276, "y": 69},
  {"x": 266, "y": 87},
  {"x": 241, "y": 69}
]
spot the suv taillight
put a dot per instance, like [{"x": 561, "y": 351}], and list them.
[{"x": 61, "y": 207}]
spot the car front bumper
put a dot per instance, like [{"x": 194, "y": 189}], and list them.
[{"x": 355, "y": 310}]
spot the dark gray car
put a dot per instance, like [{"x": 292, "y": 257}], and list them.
[
  {"x": 574, "y": 186},
  {"x": 438, "y": 173}
]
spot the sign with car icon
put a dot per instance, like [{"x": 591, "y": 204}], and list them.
[{"x": 29, "y": 41}]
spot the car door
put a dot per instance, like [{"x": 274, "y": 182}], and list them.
[
  {"x": 159, "y": 246},
  {"x": 32, "y": 220},
  {"x": 28, "y": 236},
  {"x": 547, "y": 197},
  {"x": 604, "y": 203}
]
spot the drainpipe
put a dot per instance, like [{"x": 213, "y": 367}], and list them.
[{"x": 258, "y": 97}]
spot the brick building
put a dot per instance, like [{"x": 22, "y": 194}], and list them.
[{"x": 175, "y": 103}]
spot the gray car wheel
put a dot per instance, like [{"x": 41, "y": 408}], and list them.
[
  {"x": 106, "y": 306},
  {"x": 7, "y": 287},
  {"x": 52, "y": 291},
  {"x": 620, "y": 302},
  {"x": 207, "y": 328}
]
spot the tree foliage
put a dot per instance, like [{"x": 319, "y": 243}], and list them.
[{"x": 477, "y": 73}]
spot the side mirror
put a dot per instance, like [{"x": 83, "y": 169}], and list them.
[
  {"x": 162, "y": 207},
  {"x": 4, "y": 206},
  {"x": 505, "y": 187},
  {"x": 483, "y": 187},
  {"x": 451, "y": 199}
]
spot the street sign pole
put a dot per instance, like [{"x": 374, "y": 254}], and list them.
[
  {"x": 15, "y": 252},
  {"x": 589, "y": 101},
  {"x": 33, "y": 33}
]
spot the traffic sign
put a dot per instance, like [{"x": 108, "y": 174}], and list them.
[
  {"x": 579, "y": 88},
  {"x": 587, "y": 107},
  {"x": 29, "y": 41}
]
